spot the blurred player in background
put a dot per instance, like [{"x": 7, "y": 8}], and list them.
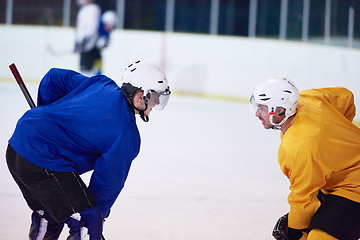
[
  {"x": 92, "y": 35},
  {"x": 87, "y": 24},
  {"x": 81, "y": 124},
  {"x": 106, "y": 26},
  {"x": 320, "y": 155}
]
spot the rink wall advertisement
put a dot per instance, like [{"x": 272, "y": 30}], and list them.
[{"x": 208, "y": 65}]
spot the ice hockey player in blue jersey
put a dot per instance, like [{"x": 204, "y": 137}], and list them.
[
  {"x": 81, "y": 124},
  {"x": 106, "y": 26}
]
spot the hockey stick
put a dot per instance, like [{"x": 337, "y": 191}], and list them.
[
  {"x": 58, "y": 53},
  {"x": 22, "y": 86}
]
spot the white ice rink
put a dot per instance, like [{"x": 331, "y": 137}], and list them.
[{"x": 207, "y": 170}]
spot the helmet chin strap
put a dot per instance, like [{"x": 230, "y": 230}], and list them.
[
  {"x": 142, "y": 112},
  {"x": 143, "y": 116}
]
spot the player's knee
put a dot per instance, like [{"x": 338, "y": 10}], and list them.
[
  {"x": 86, "y": 223},
  {"x": 43, "y": 226},
  {"x": 317, "y": 234}
]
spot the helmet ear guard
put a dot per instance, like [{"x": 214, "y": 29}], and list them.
[{"x": 129, "y": 92}]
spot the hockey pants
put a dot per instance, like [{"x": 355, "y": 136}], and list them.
[{"x": 56, "y": 198}]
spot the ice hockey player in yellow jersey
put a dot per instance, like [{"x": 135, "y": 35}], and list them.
[{"x": 320, "y": 155}]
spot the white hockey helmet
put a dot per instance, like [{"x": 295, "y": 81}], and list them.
[
  {"x": 109, "y": 17},
  {"x": 276, "y": 92},
  {"x": 149, "y": 79}
]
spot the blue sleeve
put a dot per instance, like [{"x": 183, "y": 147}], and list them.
[
  {"x": 57, "y": 83},
  {"x": 102, "y": 31},
  {"x": 109, "y": 175}
]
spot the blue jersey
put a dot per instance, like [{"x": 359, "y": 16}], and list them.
[
  {"x": 81, "y": 124},
  {"x": 103, "y": 33}
]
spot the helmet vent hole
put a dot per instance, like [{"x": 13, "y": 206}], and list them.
[
  {"x": 160, "y": 81},
  {"x": 133, "y": 69},
  {"x": 287, "y": 91},
  {"x": 264, "y": 99}
]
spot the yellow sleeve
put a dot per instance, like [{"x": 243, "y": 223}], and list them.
[{"x": 306, "y": 176}]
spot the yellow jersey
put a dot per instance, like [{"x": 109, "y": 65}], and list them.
[{"x": 320, "y": 150}]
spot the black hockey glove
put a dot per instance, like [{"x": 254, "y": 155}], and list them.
[
  {"x": 281, "y": 230},
  {"x": 80, "y": 45}
]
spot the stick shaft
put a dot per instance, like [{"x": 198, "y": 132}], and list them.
[{"x": 22, "y": 86}]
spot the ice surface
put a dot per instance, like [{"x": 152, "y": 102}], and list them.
[{"x": 206, "y": 170}]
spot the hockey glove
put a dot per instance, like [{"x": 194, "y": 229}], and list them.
[
  {"x": 80, "y": 45},
  {"x": 281, "y": 230}
]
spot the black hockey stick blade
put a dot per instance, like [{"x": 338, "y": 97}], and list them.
[
  {"x": 58, "y": 53},
  {"x": 22, "y": 86}
]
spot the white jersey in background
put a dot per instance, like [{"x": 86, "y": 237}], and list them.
[{"x": 87, "y": 24}]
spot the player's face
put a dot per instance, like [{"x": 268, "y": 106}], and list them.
[
  {"x": 109, "y": 27},
  {"x": 263, "y": 114},
  {"x": 152, "y": 102}
]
